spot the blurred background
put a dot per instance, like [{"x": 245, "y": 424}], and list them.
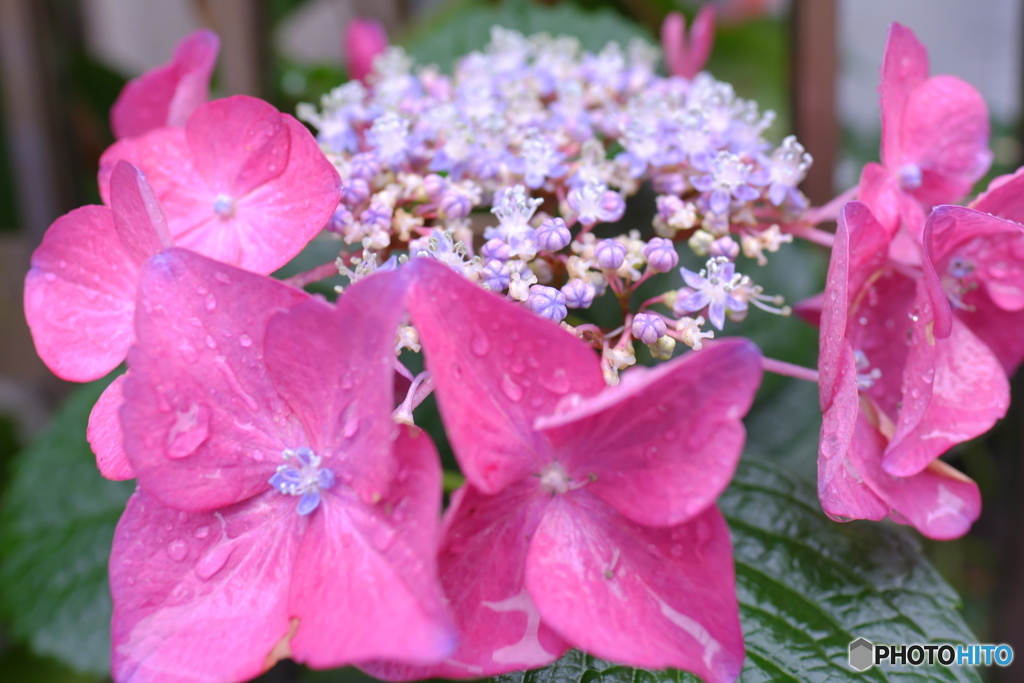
[{"x": 815, "y": 62}]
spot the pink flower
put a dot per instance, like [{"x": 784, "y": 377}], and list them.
[
  {"x": 240, "y": 183},
  {"x": 364, "y": 40},
  {"x": 601, "y": 500},
  {"x": 893, "y": 394},
  {"x": 977, "y": 273},
  {"x": 168, "y": 94},
  {"x": 934, "y": 134},
  {"x": 684, "y": 56},
  {"x": 280, "y": 510}
]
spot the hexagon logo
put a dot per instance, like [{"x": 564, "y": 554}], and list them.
[{"x": 862, "y": 654}]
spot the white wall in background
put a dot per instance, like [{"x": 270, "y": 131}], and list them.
[{"x": 131, "y": 36}]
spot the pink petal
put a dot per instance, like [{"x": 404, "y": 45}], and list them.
[
  {"x": 80, "y": 295},
  {"x": 673, "y": 42},
  {"x": 644, "y": 597},
  {"x": 500, "y": 629},
  {"x": 841, "y": 489},
  {"x": 1001, "y": 331},
  {"x": 939, "y": 502},
  {"x": 945, "y": 132},
  {"x": 496, "y": 368},
  {"x": 702, "y": 38},
  {"x": 366, "y": 583},
  {"x": 164, "y": 158},
  {"x": 237, "y": 144},
  {"x": 954, "y": 389},
  {"x": 105, "y": 435},
  {"x": 904, "y": 67},
  {"x": 663, "y": 445},
  {"x": 197, "y": 399},
  {"x": 810, "y": 308},
  {"x": 200, "y": 596},
  {"x": 167, "y": 95},
  {"x": 364, "y": 40},
  {"x": 899, "y": 213},
  {"x": 344, "y": 400},
  {"x": 138, "y": 218},
  {"x": 1004, "y": 197}
]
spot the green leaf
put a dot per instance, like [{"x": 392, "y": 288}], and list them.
[
  {"x": 467, "y": 26},
  {"x": 56, "y": 527},
  {"x": 807, "y": 588}
]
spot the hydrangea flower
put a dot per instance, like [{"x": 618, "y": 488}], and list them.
[
  {"x": 934, "y": 136},
  {"x": 280, "y": 511},
  {"x": 364, "y": 40},
  {"x": 601, "y": 499},
  {"x": 241, "y": 182},
  {"x": 168, "y": 94},
  {"x": 715, "y": 287},
  {"x": 894, "y": 395}
]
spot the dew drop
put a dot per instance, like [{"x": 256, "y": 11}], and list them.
[
  {"x": 63, "y": 263},
  {"x": 189, "y": 430},
  {"x": 479, "y": 345},
  {"x": 346, "y": 381},
  {"x": 202, "y": 532},
  {"x": 211, "y": 302},
  {"x": 213, "y": 561},
  {"x": 351, "y": 422},
  {"x": 50, "y": 277},
  {"x": 177, "y": 550},
  {"x": 557, "y": 382},
  {"x": 383, "y": 537},
  {"x": 245, "y": 340},
  {"x": 211, "y": 343},
  {"x": 513, "y": 391}
]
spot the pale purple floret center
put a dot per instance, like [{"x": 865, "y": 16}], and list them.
[
  {"x": 302, "y": 476},
  {"x": 224, "y": 206}
]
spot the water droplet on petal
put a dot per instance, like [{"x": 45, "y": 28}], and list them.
[
  {"x": 245, "y": 340},
  {"x": 202, "y": 532},
  {"x": 211, "y": 342},
  {"x": 177, "y": 550},
  {"x": 513, "y": 391},
  {"x": 50, "y": 277},
  {"x": 211, "y": 302},
  {"x": 480, "y": 345},
  {"x": 213, "y": 561},
  {"x": 557, "y": 382},
  {"x": 346, "y": 381},
  {"x": 189, "y": 430},
  {"x": 351, "y": 422},
  {"x": 383, "y": 537}
]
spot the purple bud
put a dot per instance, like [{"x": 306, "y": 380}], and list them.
[
  {"x": 434, "y": 185},
  {"x": 354, "y": 192},
  {"x": 495, "y": 276},
  {"x": 495, "y": 250},
  {"x": 661, "y": 255},
  {"x": 455, "y": 204},
  {"x": 365, "y": 166},
  {"x": 648, "y": 327},
  {"x": 725, "y": 246},
  {"x": 341, "y": 220},
  {"x": 547, "y": 302},
  {"x": 552, "y": 235},
  {"x": 378, "y": 215},
  {"x": 579, "y": 294},
  {"x": 669, "y": 183},
  {"x": 610, "y": 254},
  {"x": 669, "y": 206}
]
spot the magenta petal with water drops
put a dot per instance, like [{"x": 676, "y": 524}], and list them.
[
  {"x": 105, "y": 435},
  {"x": 242, "y": 183},
  {"x": 496, "y": 368},
  {"x": 652, "y": 470},
  {"x": 201, "y": 596},
  {"x": 655, "y": 597},
  {"x": 198, "y": 399},
  {"x": 386, "y": 553},
  {"x": 904, "y": 67},
  {"x": 168, "y": 94}
]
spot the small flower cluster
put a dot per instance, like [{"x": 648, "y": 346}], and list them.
[{"x": 554, "y": 140}]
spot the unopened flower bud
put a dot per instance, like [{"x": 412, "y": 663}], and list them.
[
  {"x": 700, "y": 242},
  {"x": 547, "y": 302},
  {"x": 553, "y": 235},
  {"x": 648, "y": 327},
  {"x": 725, "y": 246},
  {"x": 610, "y": 254},
  {"x": 495, "y": 250},
  {"x": 455, "y": 204},
  {"x": 661, "y": 255},
  {"x": 578, "y": 293},
  {"x": 663, "y": 348}
]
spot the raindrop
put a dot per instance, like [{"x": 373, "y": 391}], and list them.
[
  {"x": 557, "y": 382},
  {"x": 351, "y": 422},
  {"x": 513, "y": 391},
  {"x": 213, "y": 561},
  {"x": 383, "y": 537},
  {"x": 346, "y": 381},
  {"x": 189, "y": 430},
  {"x": 50, "y": 277},
  {"x": 479, "y": 345},
  {"x": 211, "y": 302},
  {"x": 202, "y": 532},
  {"x": 245, "y": 340},
  {"x": 177, "y": 550},
  {"x": 211, "y": 342}
]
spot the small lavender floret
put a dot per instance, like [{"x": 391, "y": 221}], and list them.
[
  {"x": 610, "y": 254},
  {"x": 341, "y": 220},
  {"x": 495, "y": 250},
  {"x": 547, "y": 302},
  {"x": 712, "y": 287},
  {"x": 495, "y": 276},
  {"x": 579, "y": 293},
  {"x": 648, "y": 327},
  {"x": 594, "y": 203},
  {"x": 787, "y": 169},
  {"x": 725, "y": 246},
  {"x": 455, "y": 204},
  {"x": 354, "y": 192},
  {"x": 661, "y": 255},
  {"x": 553, "y": 235}
]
